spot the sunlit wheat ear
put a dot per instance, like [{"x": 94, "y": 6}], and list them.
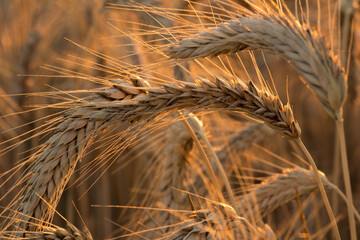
[
  {"x": 219, "y": 222},
  {"x": 57, "y": 233},
  {"x": 278, "y": 190},
  {"x": 178, "y": 148},
  {"x": 55, "y": 163},
  {"x": 281, "y": 34},
  {"x": 124, "y": 101}
]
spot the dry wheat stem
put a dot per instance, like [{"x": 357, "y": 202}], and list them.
[
  {"x": 321, "y": 188},
  {"x": 347, "y": 11},
  {"x": 346, "y": 175},
  {"x": 343, "y": 196},
  {"x": 219, "y": 166},
  {"x": 279, "y": 34},
  {"x": 219, "y": 222},
  {"x": 123, "y": 101},
  {"x": 217, "y": 163}
]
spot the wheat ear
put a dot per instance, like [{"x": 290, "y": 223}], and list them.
[
  {"x": 219, "y": 222},
  {"x": 55, "y": 162},
  {"x": 277, "y": 190},
  {"x": 58, "y": 233},
  {"x": 133, "y": 102},
  {"x": 279, "y": 34},
  {"x": 282, "y": 35}
]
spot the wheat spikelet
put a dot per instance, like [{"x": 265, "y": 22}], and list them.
[
  {"x": 277, "y": 190},
  {"x": 127, "y": 102},
  {"x": 58, "y": 233},
  {"x": 205, "y": 95},
  {"x": 219, "y": 222},
  {"x": 280, "y": 34}
]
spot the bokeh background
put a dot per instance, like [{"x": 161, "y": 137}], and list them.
[{"x": 38, "y": 34}]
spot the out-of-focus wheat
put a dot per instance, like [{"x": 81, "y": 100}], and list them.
[
  {"x": 176, "y": 165},
  {"x": 219, "y": 222},
  {"x": 277, "y": 190}
]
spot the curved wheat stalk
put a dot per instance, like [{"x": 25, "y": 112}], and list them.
[
  {"x": 124, "y": 101},
  {"x": 280, "y": 34}
]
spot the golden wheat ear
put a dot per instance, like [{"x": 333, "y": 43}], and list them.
[
  {"x": 58, "y": 233},
  {"x": 220, "y": 221},
  {"x": 280, "y": 34},
  {"x": 125, "y": 101},
  {"x": 277, "y": 190}
]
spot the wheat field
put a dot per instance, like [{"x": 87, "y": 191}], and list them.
[{"x": 183, "y": 119}]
